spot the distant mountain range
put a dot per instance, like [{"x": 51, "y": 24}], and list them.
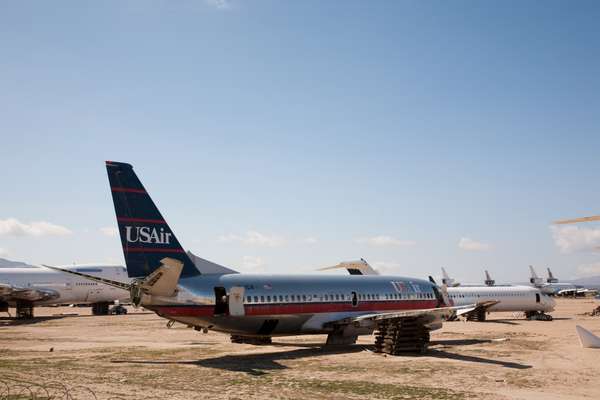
[
  {"x": 592, "y": 281},
  {"x": 4, "y": 263}
]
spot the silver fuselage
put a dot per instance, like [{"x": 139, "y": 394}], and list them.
[{"x": 292, "y": 304}]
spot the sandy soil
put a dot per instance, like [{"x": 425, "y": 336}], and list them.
[{"x": 137, "y": 356}]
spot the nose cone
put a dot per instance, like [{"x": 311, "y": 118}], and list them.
[{"x": 550, "y": 303}]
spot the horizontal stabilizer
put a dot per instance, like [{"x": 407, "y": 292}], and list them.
[
  {"x": 587, "y": 338},
  {"x": 208, "y": 267},
  {"x": 163, "y": 280},
  {"x": 359, "y": 267},
  {"x": 109, "y": 282}
]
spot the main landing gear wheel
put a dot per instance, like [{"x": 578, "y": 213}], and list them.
[
  {"x": 538, "y": 316},
  {"x": 401, "y": 336},
  {"x": 100, "y": 308},
  {"x": 24, "y": 310}
]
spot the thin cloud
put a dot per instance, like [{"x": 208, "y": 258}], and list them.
[
  {"x": 310, "y": 240},
  {"x": 109, "y": 231},
  {"x": 468, "y": 244},
  {"x": 570, "y": 239},
  {"x": 3, "y": 252},
  {"x": 383, "y": 240},
  {"x": 219, "y": 4},
  {"x": 253, "y": 238},
  {"x": 14, "y": 227}
]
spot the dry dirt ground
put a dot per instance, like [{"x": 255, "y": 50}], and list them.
[{"x": 137, "y": 356}]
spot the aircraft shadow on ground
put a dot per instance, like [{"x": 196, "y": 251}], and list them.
[
  {"x": 261, "y": 363},
  {"x": 462, "y": 357},
  {"x": 10, "y": 321},
  {"x": 254, "y": 364},
  {"x": 459, "y": 342}
]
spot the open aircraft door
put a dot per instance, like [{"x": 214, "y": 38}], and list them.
[{"x": 236, "y": 301}]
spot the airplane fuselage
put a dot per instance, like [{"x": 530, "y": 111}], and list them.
[
  {"x": 64, "y": 288},
  {"x": 288, "y": 304},
  {"x": 511, "y": 298}
]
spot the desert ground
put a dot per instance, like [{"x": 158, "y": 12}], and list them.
[{"x": 136, "y": 356}]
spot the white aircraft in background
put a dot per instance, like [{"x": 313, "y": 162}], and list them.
[
  {"x": 555, "y": 288},
  {"x": 25, "y": 288},
  {"x": 489, "y": 298}
]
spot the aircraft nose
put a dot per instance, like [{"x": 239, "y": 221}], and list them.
[{"x": 551, "y": 303}]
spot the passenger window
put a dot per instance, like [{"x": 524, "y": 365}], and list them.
[
  {"x": 326, "y": 298},
  {"x": 256, "y": 299},
  {"x": 303, "y": 297},
  {"x": 262, "y": 299},
  {"x": 268, "y": 299},
  {"x": 249, "y": 299},
  {"x": 280, "y": 298},
  {"x": 293, "y": 298},
  {"x": 337, "y": 296}
]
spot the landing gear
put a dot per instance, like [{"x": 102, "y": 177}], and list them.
[
  {"x": 404, "y": 335},
  {"x": 100, "y": 308},
  {"x": 537, "y": 316},
  {"x": 4, "y": 307},
  {"x": 24, "y": 309},
  {"x": 119, "y": 310},
  {"x": 255, "y": 340},
  {"x": 478, "y": 315}
]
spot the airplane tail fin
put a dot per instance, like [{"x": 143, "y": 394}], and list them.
[
  {"x": 535, "y": 279},
  {"x": 446, "y": 280},
  {"x": 551, "y": 278},
  {"x": 587, "y": 338},
  {"x": 146, "y": 237},
  {"x": 488, "y": 279}
]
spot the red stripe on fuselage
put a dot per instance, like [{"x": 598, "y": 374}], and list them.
[
  {"x": 127, "y": 190},
  {"x": 151, "y": 250},
  {"x": 301, "y": 308},
  {"x": 142, "y": 220}
]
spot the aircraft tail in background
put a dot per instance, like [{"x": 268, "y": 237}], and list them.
[
  {"x": 488, "y": 279},
  {"x": 535, "y": 279}
]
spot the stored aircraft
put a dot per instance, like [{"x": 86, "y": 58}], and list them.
[
  {"x": 496, "y": 298},
  {"x": 553, "y": 287},
  {"x": 25, "y": 288},
  {"x": 479, "y": 300},
  {"x": 253, "y": 308}
]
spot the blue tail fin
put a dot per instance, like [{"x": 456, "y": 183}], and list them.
[{"x": 145, "y": 236}]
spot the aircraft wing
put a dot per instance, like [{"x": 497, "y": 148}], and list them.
[
  {"x": 427, "y": 316},
  {"x": 481, "y": 306},
  {"x": 12, "y": 293}
]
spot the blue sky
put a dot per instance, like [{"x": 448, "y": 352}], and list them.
[{"x": 285, "y": 136}]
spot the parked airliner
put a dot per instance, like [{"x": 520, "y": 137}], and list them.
[
  {"x": 555, "y": 288},
  {"x": 486, "y": 299},
  {"x": 252, "y": 308},
  {"x": 24, "y": 288}
]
